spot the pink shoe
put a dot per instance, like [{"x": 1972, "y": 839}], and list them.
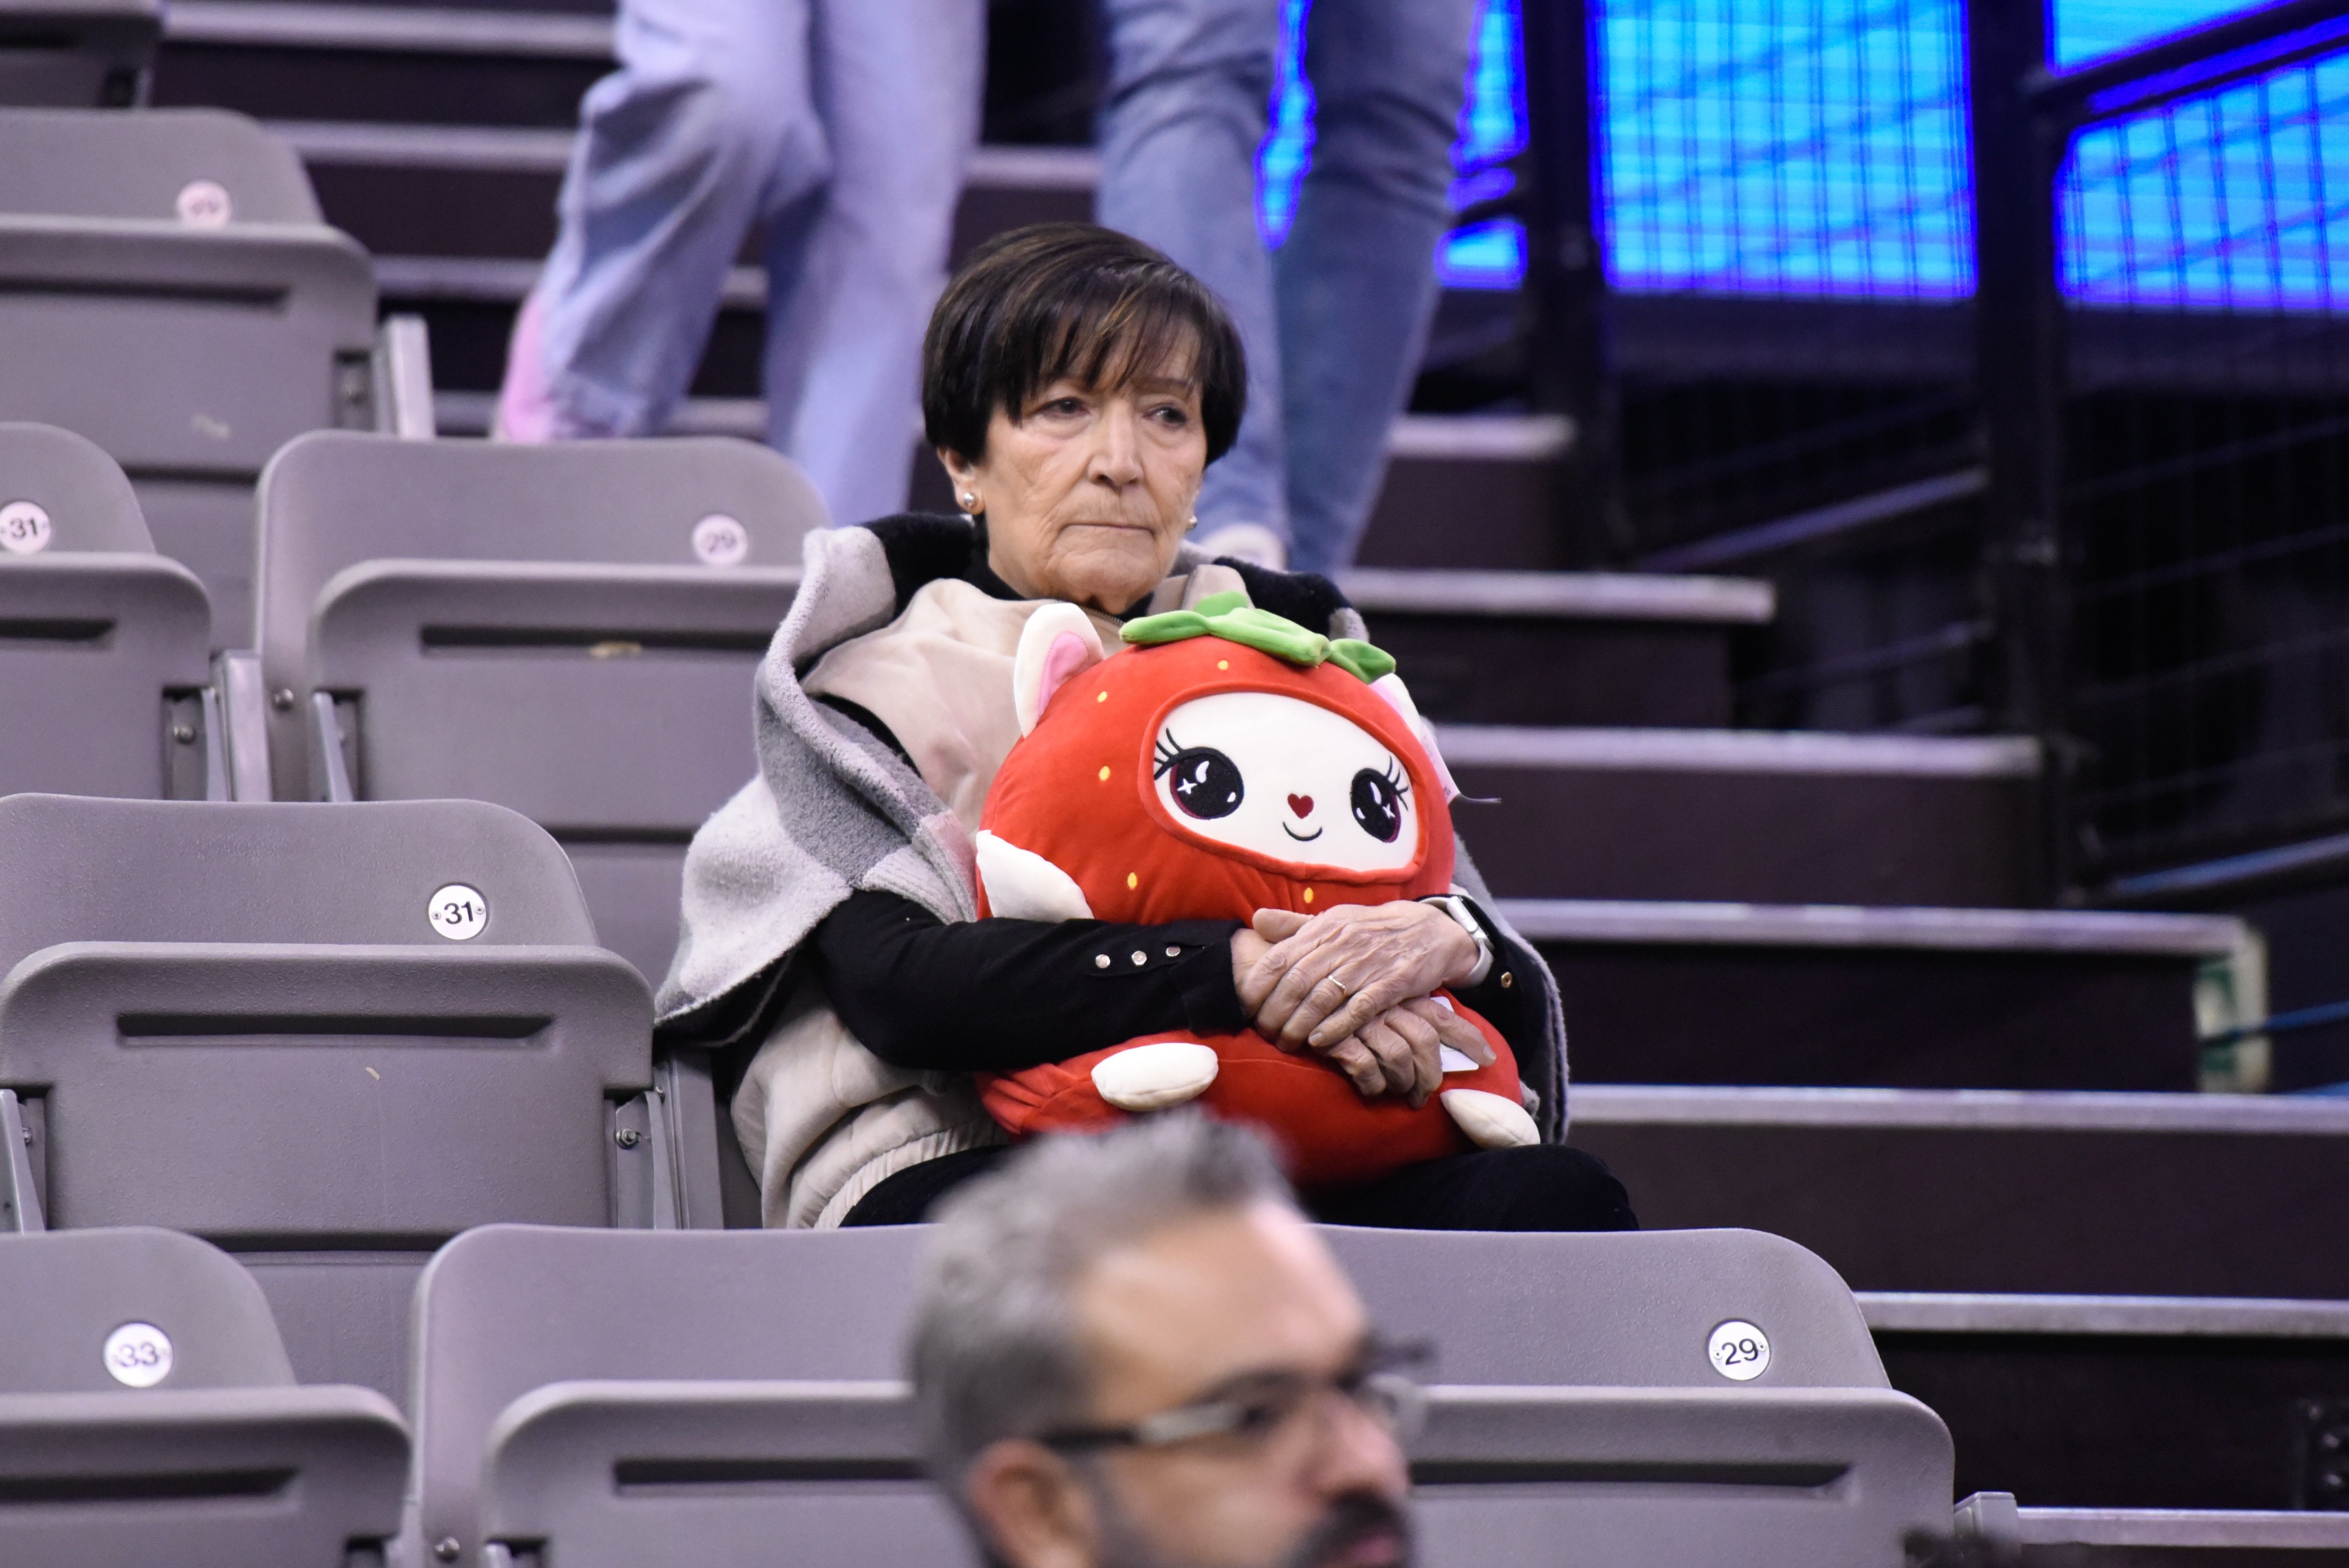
[{"x": 525, "y": 412}]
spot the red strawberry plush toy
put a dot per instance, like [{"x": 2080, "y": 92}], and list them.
[{"x": 1230, "y": 761}]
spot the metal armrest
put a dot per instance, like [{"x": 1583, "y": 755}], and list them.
[
  {"x": 403, "y": 379},
  {"x": 687, "y": 1196},
  {"x": 20, "y": 1197},
  {"x": 330, "y": 770},
  {"x": 242, "y": 739}
]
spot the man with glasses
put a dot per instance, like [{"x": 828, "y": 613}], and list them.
[{"x": 1133, "y": 1352}]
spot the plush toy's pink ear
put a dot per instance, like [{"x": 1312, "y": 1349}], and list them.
[{"x": 1058, "y": 644}]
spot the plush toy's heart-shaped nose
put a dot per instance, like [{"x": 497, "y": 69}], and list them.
[{"x": 1301, "y": 804}]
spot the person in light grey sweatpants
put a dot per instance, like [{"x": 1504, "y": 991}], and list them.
[
  {"x": 1335, "y": 320},
  {"x": 837, "y": 127}
]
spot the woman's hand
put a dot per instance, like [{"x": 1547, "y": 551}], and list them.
[
  {"x": 1338, "y": 983},
  {"x": 1402, "y": 1051}
]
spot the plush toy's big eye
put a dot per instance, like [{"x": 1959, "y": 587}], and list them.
[
  {"x": 1378, "y": 805},
  {"x": 1207, "y": 782}
]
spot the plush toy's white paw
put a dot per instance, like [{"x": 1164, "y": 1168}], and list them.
[
  {"x": 1023, "y": 885},
  {"x": 1153, "y": 1076},
  {"x": 1455, "y": 1061},
  {"x": 1490, "y": 1121}
]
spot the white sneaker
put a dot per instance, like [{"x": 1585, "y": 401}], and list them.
[{"x": 1249, "y": 541}]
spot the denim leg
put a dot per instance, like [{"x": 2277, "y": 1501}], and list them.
[
  {"x": 855, "y": 268},
  {"x": 706, "y": 124},
  {"x": 1356, "y": 280},
  {"x": 1188, "y": 100}
]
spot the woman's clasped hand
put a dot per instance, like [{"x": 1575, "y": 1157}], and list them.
[{"x": 1356, "y": 984}]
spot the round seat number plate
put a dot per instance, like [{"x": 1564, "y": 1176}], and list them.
[
  {"x": 1739, "y": 1351},
  {"x": 458, "y": 912},
  {"x": 138, "y": 1354}
]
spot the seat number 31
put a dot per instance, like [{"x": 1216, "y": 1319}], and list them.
[{"x": 458, "y": 912}]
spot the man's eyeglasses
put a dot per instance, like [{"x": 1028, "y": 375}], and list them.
[{"x": 1254, "y": 1408}]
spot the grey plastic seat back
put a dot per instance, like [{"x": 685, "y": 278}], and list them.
[
  {"x": 103, "y": 643},
  {"x": 63, "y": 1294},
  {"x": 199, "y": 167},
  {"x": 568, "y": 630},
  {"x": 148, "y": 1415},
  {"x": 1661, "y": 1478},
  {"x": 77, "y": 54},
  {"x": 189, "y": 353},
  {"x": 507, "y": 1309},
  {"x": 1631, "y": 1308},
  {"x": 251, "y": 1022},
  {"x": 729, "y": 1473}
]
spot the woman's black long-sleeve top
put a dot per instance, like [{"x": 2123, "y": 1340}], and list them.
[{"x": 1000, "y": 994}]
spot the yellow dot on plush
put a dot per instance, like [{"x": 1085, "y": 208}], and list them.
[
  {"x": 1101, "y": 698},
  {"x": 1131, "y": 880},
  {"x": 1309, "y": 895},
  {"x": 1223, "y": 663},
  {"x": 1105, "y": 773}
]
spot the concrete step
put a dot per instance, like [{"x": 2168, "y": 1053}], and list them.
[
  {"x": 467, "y": 191},
  {"x": 2166, "y": 1538},
  {"x": 1762, "y": 816},
  {"x": 2026, "y": 1193},
  {"x": 2080, "y": 1400},
  {"x": 1813, "y": 997}
]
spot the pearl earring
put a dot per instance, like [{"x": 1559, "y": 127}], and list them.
[{"x": 969, "y": 501}]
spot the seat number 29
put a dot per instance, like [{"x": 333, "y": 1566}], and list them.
[{"x": 1739, "y": 1351}]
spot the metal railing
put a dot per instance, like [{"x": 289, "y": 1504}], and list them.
[{"x": 2085, "y": 482}]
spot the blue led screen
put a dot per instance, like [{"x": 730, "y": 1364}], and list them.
[{"x": 1818, "y": 148}]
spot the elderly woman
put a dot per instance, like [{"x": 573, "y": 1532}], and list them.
[{"x": 1076, "y": 385}]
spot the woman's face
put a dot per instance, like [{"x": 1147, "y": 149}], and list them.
[{"x": 1089, "y": 493}]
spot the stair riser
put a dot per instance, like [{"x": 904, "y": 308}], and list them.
[
  {"x": 1488, "y": 670},
  {"x": 396, "y": 210},
  {"x": 1877, "y": 1018},
  {"x": 376, "y": 86},
  {"x": 1751, "y": 837},
  {"x": 2120, "y": 1421},
  {"x": 1482, "y": 513},
  {"x": 2052, "y": 1209}
]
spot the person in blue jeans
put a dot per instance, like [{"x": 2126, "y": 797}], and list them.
[
  {"x": 1334, "y": 321},
  {"x": 839, "y": 129}
]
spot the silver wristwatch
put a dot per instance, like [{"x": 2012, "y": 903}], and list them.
[{"x": 1457, "y": 908}]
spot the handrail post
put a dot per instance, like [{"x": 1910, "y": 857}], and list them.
[
  {"x": 2020, "y": 373},
  {"x": 1566, "y": 274}
]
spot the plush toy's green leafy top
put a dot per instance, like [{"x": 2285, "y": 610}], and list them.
[{"x": 1231, "y": 617}]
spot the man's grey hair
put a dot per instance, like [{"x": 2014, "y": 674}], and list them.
[{"x": 995, "y": 1348}]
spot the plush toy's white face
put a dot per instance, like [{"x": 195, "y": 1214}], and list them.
[{"x": 1288, "y": 780}]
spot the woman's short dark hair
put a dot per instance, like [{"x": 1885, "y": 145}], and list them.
[{"x": 1073, "y": 299}]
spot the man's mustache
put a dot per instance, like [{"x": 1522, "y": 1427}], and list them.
[{"x": 1352, "y": 1520}]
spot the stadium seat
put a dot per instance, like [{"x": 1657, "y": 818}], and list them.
[
  {"x": 541, "y": 1349},
  {"x": 715, "y": 1472},
  {"x": 327, "y": 1037},
  {"x": 77, "y": 54},
  {"x": 569, "y": 630},
  {"x": 148, "y": 1415},
  {"x": 205, "y": 167},
  {"x": 103, "y": 643},
  {"x": 190, "y": 323}
]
